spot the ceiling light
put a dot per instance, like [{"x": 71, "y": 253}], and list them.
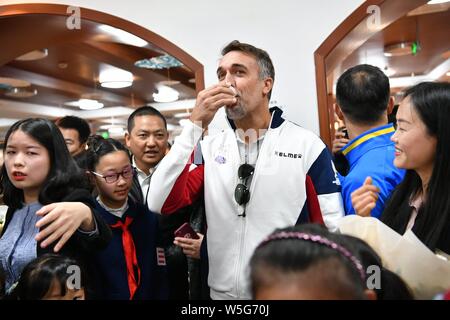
[
  {"x": 33, "y": 55},
  {"x": 448, "y": 74},
  {"x": 401, "y": 49},
  {"x": 437, "y": 1},
  {"x": 123, "y": 36},
  {"x": 89, "y": 104},
  {"x": 166, "y": 94},
  {"x": 171, "y": 127},
  {"x": 183, "y": 122},
  {"x": 182, "y": 115},
  {"x": 115, "y": 78},
  {"x": 116, "y": 130},
  {"x": 21, "y": 93},
  {"x": 388, "y": 71}
]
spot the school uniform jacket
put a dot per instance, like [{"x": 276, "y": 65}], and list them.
[
  {"x": 110, "y": 264},
  {"x": 294, "y": 181}
]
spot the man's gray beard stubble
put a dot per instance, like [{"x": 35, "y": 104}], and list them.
[{"x": 235, "y": 113}]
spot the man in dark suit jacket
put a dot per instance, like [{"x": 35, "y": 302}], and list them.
[{"x": 147, "y": 139}]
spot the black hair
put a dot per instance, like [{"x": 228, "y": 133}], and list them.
[
  {"x": 64, "y": 174},
  {"x": 37, "y": 277},
  {"x": 98, "y": 147},
  {"x": 266, "y": 69},
  {"x": 291, "y": 255},
  {"x": 144, "y": 111},
  {"x": 431, "y": 101},
  {"x": 362, "y": 93},
  {"x": 71, "y": 122},
  {"x": 392, "y": 287}
]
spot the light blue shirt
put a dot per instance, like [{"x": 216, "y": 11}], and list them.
[{"x": 18, "y": 244}]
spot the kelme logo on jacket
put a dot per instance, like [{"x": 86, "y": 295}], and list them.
[{"x": 288, "y": 155}]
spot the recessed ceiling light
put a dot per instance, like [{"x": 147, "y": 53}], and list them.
[
  {"x": 401, "y": 49},
  {"x": 166, "y": 94},
  {"x": 88, "y": 104},
  {"x": 115, "y": 78},
  {"x": 33, "y": 55},
  {"x": 85, "y": 104},
  {"x": 21, "y": 93}
]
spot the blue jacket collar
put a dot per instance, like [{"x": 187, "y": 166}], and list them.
[{"x": 373, "y": 138}]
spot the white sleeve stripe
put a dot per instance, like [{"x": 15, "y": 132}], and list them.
[{"x": 332, "y": 209}]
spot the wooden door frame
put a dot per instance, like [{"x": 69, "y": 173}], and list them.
[
  {"x": 347, "y": 37},
  {"x": 105, "y": 18}
]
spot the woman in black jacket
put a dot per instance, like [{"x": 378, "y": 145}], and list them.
[{"x": 50, "y": 208}]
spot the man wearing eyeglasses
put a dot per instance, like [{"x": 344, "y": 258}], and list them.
[{"x": 262, "y": 173}]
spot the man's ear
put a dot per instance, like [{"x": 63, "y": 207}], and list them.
[
  {"x": 268, "y": 85},
  {"x": 390, "y": 106},
  {"x": 338, "y": 111},
  {"x": 127, "y": 139}
]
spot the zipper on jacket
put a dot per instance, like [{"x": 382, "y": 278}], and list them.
[{"x": 241, "y": 249}]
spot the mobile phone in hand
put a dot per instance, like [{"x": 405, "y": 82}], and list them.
[{"x": 186, "y": 231}]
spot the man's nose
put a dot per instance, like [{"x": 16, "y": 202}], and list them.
[
  {"x": 150, "y": 141},
  {"x": 229, "y": 78}
]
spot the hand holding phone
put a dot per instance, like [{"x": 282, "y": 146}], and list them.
[{"x": 186, "y": 231}]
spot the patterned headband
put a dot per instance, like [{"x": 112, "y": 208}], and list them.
[{"x": 320, "y": 240}]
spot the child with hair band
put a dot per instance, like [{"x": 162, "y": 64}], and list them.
[
  {"x": 300, "y": 263},
  {"x": 49, "y": 277},
  {"x": 38, "y": 174},
  {"x": 132, "y": 267}
]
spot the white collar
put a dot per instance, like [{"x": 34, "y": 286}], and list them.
[
  {"x": 142, "y": 173},
  {"x": 118, "y": 212}
]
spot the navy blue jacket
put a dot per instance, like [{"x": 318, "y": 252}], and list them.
[{"x": 111, "y": 280}]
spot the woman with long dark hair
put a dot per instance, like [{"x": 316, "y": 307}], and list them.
[
  {"x": 421, "y": 202},
  {"x": 49, "y": 208}
]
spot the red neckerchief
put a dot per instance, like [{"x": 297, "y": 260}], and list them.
[{"x": 130, "y": 255}]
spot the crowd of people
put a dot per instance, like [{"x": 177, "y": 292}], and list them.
[{"x": 92, "y": 218}]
